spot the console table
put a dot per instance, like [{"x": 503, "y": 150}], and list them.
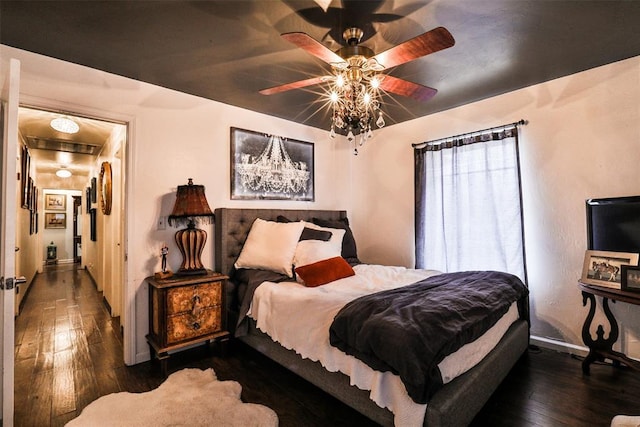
[{"x": 602, "y": 347}]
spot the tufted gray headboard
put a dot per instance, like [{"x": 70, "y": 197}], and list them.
[{"x": 232, "y": 227}]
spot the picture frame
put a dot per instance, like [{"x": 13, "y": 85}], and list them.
[
  {"x": 55, "y": 202},
  {"x": 25, "y": 165},
  {"x": 603, "y": 268},
  {"x": 88, "y": 199},
  {"x": 630, "y": 280},
  {"x": 271, "y": 167},
  {"x": 33, "y": 222},
  {"x": 29, "y": 195},
  {"x": 55, "y": 220},
  {"x": 33, "y": 211},
  {"x": 94, "y": 190},
  {"x": 93, "y": 219},
  {"x": 34, "y": 200}
]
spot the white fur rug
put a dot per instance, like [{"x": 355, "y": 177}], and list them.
[{"x": 190, "y": 397}]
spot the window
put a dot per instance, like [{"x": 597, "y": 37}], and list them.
[{"x": 468, "y": 204}]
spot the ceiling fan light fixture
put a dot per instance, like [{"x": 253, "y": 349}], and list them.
[
  {"x": 65, "y": 125},
  {"x": 355, "y": 99},
  {"x": 355, "y": 82}
]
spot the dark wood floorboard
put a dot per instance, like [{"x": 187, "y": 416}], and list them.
[{"x": 69, "y": 353}]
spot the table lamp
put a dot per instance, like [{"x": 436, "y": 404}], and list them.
[{"x": 191, "y": 206}]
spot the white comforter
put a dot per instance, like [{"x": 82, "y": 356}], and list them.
[{"x": 299, "y": 318}]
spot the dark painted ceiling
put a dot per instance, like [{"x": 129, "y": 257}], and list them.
[{"x": 229, "y": 50}]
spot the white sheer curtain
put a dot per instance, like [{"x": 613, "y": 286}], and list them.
[{"x": 468, "y": 205}]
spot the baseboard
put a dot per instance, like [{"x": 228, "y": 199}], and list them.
[
  {"x": 145, "y": 356},
  {"x": 560, "y": 346},
  {"x": 58, "y": 261},
  {"x": 107, "y": 305},
  {"x": 92, "y": 279}
]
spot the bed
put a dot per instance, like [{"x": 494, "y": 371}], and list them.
[{"x": 455, "y": 404}]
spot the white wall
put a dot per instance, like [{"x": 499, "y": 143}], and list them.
[
  {"x": 582, "y": 141},
  {"x": 173, "y": 137},
  {"x": 104, "y": 257}
]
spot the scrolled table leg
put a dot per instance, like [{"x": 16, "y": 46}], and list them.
[{"x": 586, "y": 335}]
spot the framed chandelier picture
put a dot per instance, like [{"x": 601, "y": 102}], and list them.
[{"x": 270, "y": 167}]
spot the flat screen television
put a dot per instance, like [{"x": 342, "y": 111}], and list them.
[{"x": 613, "y": 224}]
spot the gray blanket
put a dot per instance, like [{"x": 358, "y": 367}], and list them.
[
  {"x": 248, "y": 281},
  {"x": 410, "y": 330}
]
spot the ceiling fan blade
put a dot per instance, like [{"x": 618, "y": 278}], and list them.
[
  {"x": 407, "y": 88},
  {"x": 431, "y": 41},
  {"x": 312, "y": 46},
  {"x": 294, "y": 85}
]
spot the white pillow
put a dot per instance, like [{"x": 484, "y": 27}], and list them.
[
  {"x": 270, "y": 246},
  {"x": 310, "y": 251}
]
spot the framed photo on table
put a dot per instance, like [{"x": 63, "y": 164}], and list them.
[
  {"x": 55, "y": 202},
  {"x": 630, "y": 278},
  {"x": 604, "y": 268}
]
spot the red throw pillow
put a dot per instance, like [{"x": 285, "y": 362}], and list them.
[{"x": 325, "y": 271}]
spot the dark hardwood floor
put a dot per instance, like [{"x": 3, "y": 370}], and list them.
[{"x": 69, "y": 352}]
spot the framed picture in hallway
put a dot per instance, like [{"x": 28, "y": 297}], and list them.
[
  {"x": 55, "y": 220},
  {"x": 92, "y": 216},
  {"x": 25, "y": 164},
  {"x": 94, "y": 190},
  {"x": 55, "y": 202},
  {"x": 88, "y": 199}
]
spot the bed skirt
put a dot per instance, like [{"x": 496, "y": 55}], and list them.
[{"x": 456, "y": 404}]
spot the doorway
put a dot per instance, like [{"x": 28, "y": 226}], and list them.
[{"x": 69, "y": 163}]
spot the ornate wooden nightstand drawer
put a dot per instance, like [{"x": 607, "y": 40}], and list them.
[
  {"x": 185, "y": 311},
  {"x": 184, "y": 298},
  {"x": 186, "y": 325}
]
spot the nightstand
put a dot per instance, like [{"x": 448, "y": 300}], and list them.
[{"x": 185, "y": 310}]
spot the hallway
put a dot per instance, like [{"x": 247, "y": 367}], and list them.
[{"x": 68, "y": 349}]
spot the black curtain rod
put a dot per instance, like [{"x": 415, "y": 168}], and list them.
[{"x": 422, "y": 144}]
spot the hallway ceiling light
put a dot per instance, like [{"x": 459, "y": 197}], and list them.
[
  {"x": 65, "y": 125},
  {"x": 63, "y": 173}
]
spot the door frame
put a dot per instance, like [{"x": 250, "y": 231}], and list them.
[
  {"x": 128, "y": 295},
  {"x": 8, "y": 211}
]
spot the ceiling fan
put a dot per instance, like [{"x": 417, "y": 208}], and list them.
[{"x": 357, "y": 60}]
